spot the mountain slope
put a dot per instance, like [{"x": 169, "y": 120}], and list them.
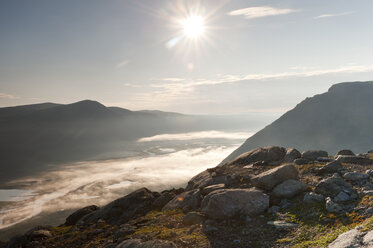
[
  {"x": 339, "y": 118},
  {"x": 35, "y": 136}
]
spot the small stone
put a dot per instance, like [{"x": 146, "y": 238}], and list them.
[
  {"x": 369, "y": 172},
  {"x": 282, "y": 224},
  {"x": 208, "y": 228},
  {"x": 342, "y": 197},
  {"x": 312, "y": 197},
  {"x": 369, "y": 210},
  {"x": 332, "y": 207}
]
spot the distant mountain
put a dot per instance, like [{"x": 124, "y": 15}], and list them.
[
  {"x": 340, "y": 118},
  {"x": 48, "y": 133}
]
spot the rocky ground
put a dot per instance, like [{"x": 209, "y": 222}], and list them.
[{"x": 267, "y": 197}]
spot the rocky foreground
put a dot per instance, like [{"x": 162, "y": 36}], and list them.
[{"x": 267, "y": 197}]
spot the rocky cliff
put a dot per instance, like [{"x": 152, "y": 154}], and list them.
[{"x": 341, "y": 117}]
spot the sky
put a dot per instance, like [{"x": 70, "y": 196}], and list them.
[{"x": 252, "y": 56}]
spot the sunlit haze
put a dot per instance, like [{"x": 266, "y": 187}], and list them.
[{"x": 211, "y": 56}]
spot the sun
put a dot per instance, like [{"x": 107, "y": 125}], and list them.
[{"x": 194, "y": 27}]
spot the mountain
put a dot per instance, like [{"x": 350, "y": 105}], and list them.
[
  {"x": 340, "y": 118},
  {"x": 34, "y": 136}
]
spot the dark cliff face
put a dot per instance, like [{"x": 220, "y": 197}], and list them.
[{"x": 339, "y": 118}]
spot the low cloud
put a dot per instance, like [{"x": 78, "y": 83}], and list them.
[
  {"x": 197, "y": 135},
  {"x": 261, "y": 11},
  {"x": 99, "y": 182},
  {"x": 333, "y": 15}
]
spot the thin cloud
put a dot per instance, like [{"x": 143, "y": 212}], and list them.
[
  {"x": 261, "y": 11},
  {"x": 8, "y": 96},
  {"x": 333, "y": 15},
  {"x": 175, "y": 90},
  {"x": 122, "y": 64}
]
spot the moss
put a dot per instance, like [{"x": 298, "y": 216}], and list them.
[
  {"x": 168, "y": 226},
  {"x": 317, "y": 227}
]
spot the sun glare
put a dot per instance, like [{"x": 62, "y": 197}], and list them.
[{"x": 194, "y": 26}]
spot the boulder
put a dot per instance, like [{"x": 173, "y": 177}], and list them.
[
  {"x": 333, "y": 185},
  {"x": 354, "y": 176},
  {"x": 204, "y": 179},
  {"x": 163, "y": 199},
  {"x": 345, "y": 152},
  {"x": 207, "y": 190},
  {"x": 324, "y": 159},
  {"x": 350, "y": 239},
  {"x": 121, "y": 210},
  {"x": 73, "y": 218},
  {"x": 368, "y": 239},
  {"x": 331, "y": 167},
  {"x": 227, "y": 203},
  {"x": 267, "y": 154},
  {"x": 193, "y": 218},
  {"x": 189, "y": 200},
  {"x": 269, "y": 179},
  {"x": 137, "y": 243},
  {"x": 314, "y": 154},
  {"x": 312, "y": 197},
  {"x": 301, "y": 161},
  {"x": 354, "y": 159},
  {"x": 289, "y": 189},
  {"x": 291, "y": 155}
]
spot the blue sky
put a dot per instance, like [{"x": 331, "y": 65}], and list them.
[{"x": 254, "y": 56}]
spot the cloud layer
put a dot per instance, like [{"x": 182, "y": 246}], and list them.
[{"x": 262, "y": 11}]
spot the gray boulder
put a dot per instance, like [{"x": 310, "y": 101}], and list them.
[
  {"x": 123, "y": 209},
  {"x": 73, "y": 218},
  {"x": 137, "y": 243},
  {"x": 267, "y": 154},
  {"x": 227, "y": 203},
  {"x": 314, "y": 154},
  {"x": 312, "y": 197},
  {"x": 291, "y": 155},
  {"x": 269, "y": 179},
  {"x": 331, "y": 167},
  {"x": 354, "y": 159},
  {"x": 342, "y": 197},
  {"x": 345, "y": 152},
  {"x": 207, "y": 190},
  {"x": 333, "y": 185},
  {"x": 204, "y": 179},
  {"x": 289, "y": 189},
  {"x": 350, "y": 239},
  {"x": 301, "y": 161},
  {"x": 189, "y": 200},
  {"x": 354, "y": 176}
]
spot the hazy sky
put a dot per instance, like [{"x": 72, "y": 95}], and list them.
[{"x": 253, "y": 56}]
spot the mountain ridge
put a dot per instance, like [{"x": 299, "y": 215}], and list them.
[{"x": 340, "y": 117}]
